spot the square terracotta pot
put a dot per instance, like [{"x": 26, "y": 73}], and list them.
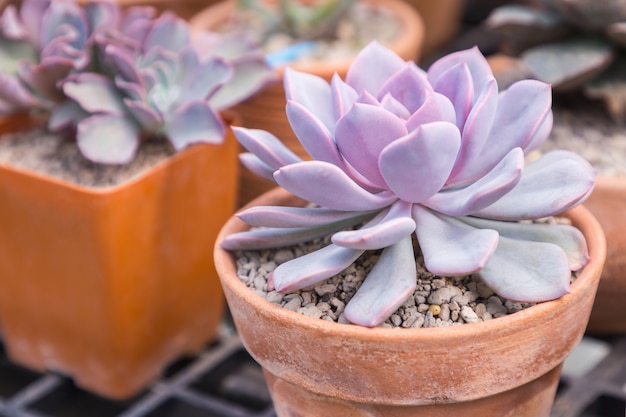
[{"x": 110, "y": 285}]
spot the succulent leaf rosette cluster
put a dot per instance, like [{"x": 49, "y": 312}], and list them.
[
  {"x": 398, "y": 151},
  {"x": 571, "y": 44},
  {"x": 116, "y": 77}
]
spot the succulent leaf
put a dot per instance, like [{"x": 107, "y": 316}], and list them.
[
  {"x": 386, "y": 230},
  {"x": 451, "y": 247},
  {"x": 312, "y": 268},
  {"x": 142, "y": 68},
  {"x": 363, "y": 133},
  {"x": 254, "y": 164},
  {"x": 425, "y": 156},
  {"x": 271, "y": 216},
  {"x": 312, "y": 134},
  {"x": 267, "y": 147},
  {"x": 108, "y": 139},
  {"x": 372, "y": 67},
  {"x": 333, "y": 187},
  {"x": 195, "y": 122},
  {"x": 567, "y": 237},
  {"x": 555, "y": 182},
  {"x": 95, "y": 93},
  {"x": 535, "y": 271},
  {"x": 387, "y": 286},
  {"x": 311, "y": 92},
  {"x": 483, "y": 192},
  {"x": 569, "y": 64}
]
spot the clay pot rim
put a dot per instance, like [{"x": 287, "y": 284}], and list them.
[
  {"x": 230, "y": 118},
  {"x": 590, "y": 228},
  {"x": 611, "y": 182},
  {"x": 411, "y": 23}
]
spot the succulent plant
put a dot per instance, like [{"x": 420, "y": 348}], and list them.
[
  {"x": 300, "y": 18},
  {"x": 575, "y": 45},
  {"x": 398, "y": 151},
  {"x": 135, "y": 75},
  {"x": 42, "y": 43}
]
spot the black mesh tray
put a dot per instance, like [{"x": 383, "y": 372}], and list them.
[{"x": 224, "y": 381}]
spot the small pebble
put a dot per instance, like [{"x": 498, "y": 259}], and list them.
[
  {"x": 434, "y": 309},
  {"x": 468, "y": 315}
]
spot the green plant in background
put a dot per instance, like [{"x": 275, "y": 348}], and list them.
[
  {"x": 571, "y": 44},
  {"x": 300, "y": 19}
]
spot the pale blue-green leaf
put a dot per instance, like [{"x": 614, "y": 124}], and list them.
[
  {"x": 451, "y": 247},
  {"x": 17, "y": 95},
  {"x": 249, "y": 77},
  {"x": 274, "y": 216},
  {"x": 95, "y": 93},
  {"x": 527, "y": 271},
  {"x": 569, "y": 238},
  {"x": 312, "y": 268},
  {"x": 66, "y": 114},
  {"x": 570, "y": 63},
  {"x": 390, "y": 283},
  {"x": 555, "y": 182},
  {"x": 169, "y": 32},
  {"x": 195, "y": 122},
  {"x": 201, "y": 80},
  {"x": 124, "y": 64},
  {"x": 149, "y": 119},
  {"x": 108, "y": 139},
  {"x": 46, "y": 78}
]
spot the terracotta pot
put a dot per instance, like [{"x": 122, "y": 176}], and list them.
[
  {"x": 110, "y": 285},
  {"x": 183, "y": 8},
  {"x": 442, "y": 21},
  {"x": 608, "y": 204},
  {"x": 266, "y": 110},
  {"x": 508, "y": 366}
]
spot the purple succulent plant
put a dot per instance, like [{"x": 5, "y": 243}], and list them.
[
  {"x": 116, "y": 76},
  {"x": 397, "y": 150},
  {"x": 167, "y": 83},
  {"x": 41, "y": 44}
]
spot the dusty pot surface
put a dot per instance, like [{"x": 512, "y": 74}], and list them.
[
  {"x": 503, "y": 367},
  {"x": 110, "y": 285},
  {"x": 266, "y": 110},
  {"x": 608, "y": 204}
]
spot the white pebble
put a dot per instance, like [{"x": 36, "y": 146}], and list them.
[{"x": 468, "y": 315}]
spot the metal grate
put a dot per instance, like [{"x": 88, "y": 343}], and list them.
[{"x": 224, "y": 381}]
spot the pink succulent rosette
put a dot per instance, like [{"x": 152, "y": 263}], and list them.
[{"x": 440, "y": 153}]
